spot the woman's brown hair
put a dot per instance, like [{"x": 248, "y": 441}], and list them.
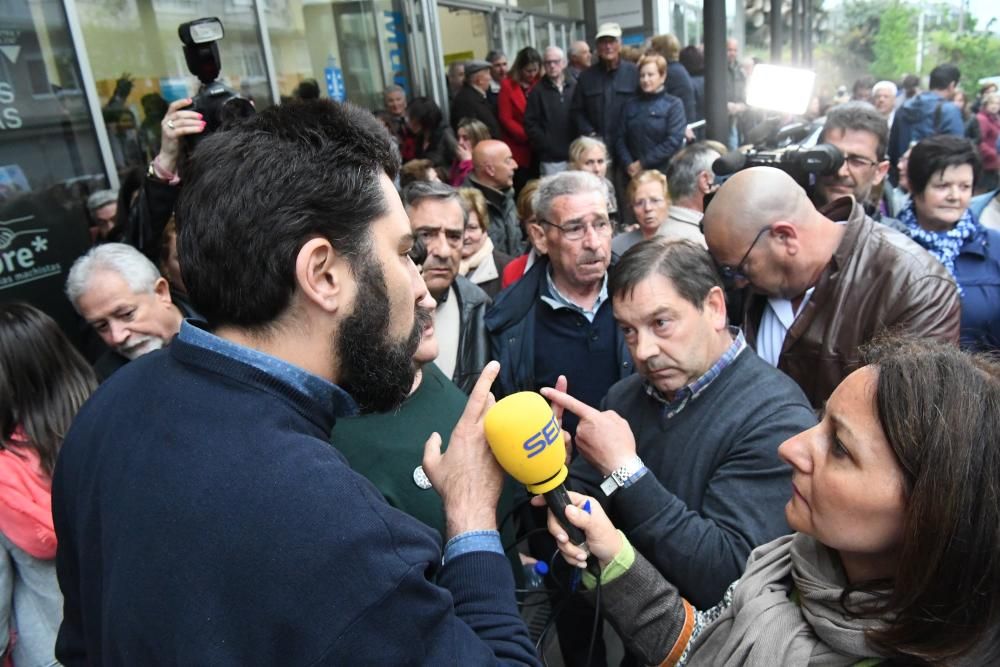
[
  {"x": 43, "y": 381},
  {"x": 940, "y": 411}
]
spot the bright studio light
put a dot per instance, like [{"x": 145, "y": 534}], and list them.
[{"x": 784, "y": 89}]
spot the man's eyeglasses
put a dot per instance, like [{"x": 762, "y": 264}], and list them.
[
  {"x": 858, "y": 162},
  {"x": 575, "y": 231},
  {"x": 731, "y": 274}
]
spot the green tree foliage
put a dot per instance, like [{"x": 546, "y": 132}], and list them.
[
  {"x": 976, "y": 54},
  {"x": 894, "y": 46}
]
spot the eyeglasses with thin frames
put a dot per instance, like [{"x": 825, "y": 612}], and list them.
[
  {"x": 731, "y": 274},
  {"x": 575, "y": 231}
]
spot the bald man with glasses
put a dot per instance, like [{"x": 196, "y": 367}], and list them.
[{"x": 819, "y": 283}]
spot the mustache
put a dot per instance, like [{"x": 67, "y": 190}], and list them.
[
  {"x": 433, "y": 263},
  {"x": 588, "y": 256},
  {"x": 423, "y": 318}
]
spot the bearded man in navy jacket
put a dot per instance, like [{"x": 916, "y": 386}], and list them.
[{"x": 202, "y": 516}]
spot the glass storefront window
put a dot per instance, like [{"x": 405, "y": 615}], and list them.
[
  {"x": 363, "y": 42},
  {"x": 49, "y": 157},
  {"x": 138, "y": 65}
]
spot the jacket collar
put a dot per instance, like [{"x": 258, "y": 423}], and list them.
[
  {"x": 840, "y": 209},
  {"x": 493, "y": 196}
]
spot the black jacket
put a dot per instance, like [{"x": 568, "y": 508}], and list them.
[
  {"x": 470, "y": 103},
  {"x": 547, "y": 120},
  {"x": 599, "y": 97},
  {"x": 473, "y": 344}
]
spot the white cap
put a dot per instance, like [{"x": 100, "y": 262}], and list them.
[{"x": 609, "y": 30}]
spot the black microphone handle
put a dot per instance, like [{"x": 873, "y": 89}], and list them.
[{"x": 558, "y": 500}]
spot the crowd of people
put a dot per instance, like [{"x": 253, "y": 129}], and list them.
[{"x": 780, "y": 400}]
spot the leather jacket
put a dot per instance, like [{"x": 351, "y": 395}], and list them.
[
  {"x": 877, "y": 280},
  {"x": 473, "y": 343}
]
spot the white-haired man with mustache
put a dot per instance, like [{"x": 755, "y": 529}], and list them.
[
  {"x": 557, "y": 320},
  {"x": 121, "y": 294}
]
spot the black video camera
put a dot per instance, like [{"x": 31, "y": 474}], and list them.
[
  {"x": 782, "y": 148},
  {"x": 218, "y": 104}
]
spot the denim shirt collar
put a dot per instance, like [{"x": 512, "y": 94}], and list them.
[
  {"x": 690, "y": 392},
  {"x": 319, "y": 389}
]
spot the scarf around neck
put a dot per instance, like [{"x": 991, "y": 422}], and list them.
[
  {"x": 26, "y": 498},
  {"x": 945, "y": 246},
  {"x": 475, "y": 259},
  {"x": 763, "y": 626}
]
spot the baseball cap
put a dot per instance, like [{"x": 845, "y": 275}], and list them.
[{"x": 609, "y": 30}]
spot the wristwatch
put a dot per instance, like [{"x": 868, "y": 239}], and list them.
[{"x": 619, "y": 477}]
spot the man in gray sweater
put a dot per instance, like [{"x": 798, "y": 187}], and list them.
[{"x": 684, "y": 457}]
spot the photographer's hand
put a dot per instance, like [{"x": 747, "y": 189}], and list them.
[{"x": 177, "y": 123}]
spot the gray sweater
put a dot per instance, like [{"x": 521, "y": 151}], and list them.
[{"x": 717, "y": 488}]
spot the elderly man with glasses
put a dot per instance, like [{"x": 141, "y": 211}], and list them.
[
  {"x": 821, "y": 283},
  {"x": 557, "y": 319}
]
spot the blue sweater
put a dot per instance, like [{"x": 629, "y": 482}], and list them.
[
  {"x": 203, "y": 518},
  {"x": 716, "y": 488}
]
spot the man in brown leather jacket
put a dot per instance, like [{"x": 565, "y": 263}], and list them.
[{"x": 822, "y": 282}]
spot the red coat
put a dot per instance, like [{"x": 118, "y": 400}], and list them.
[
  {"x": 989, "y": 130},
  {"x": 511, "y": 103}
]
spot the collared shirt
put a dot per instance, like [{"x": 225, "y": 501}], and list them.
[
  {"x": 686, "y": 394},
  {"x": 777, "y": 319},
  {"x": 322, "y": 390},
  {"x": 557, "y": 300},
  {"x": 314, "y": 386},
  {"x": 447, "y": 323}
]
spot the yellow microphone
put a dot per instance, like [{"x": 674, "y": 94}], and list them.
[{"x": 527, "y": 442}]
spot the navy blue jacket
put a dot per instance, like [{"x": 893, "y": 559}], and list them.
[
  {"x": 977, "y": 270},
  {"x": 511, "y": 326},
  {"x": 652, "y": 131},
  {"x": 600, "y": 96},
  {"x": 203, "y": 518},
  {"x": 681, "y": 86}
]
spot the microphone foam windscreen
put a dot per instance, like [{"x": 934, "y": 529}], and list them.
[{"x": 527, "y": 441}]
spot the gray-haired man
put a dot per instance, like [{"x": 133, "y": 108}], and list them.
[
  {"x": 556, "y": 320},
  {"x": 438, "y": 219},
  {"x": 121, "y": 294}
]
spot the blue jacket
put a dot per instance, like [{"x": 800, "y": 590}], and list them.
[
  {"x": 599, "y": 97},
  {"x": 652, "y": 131},
  {"x": 977, "y": 270},
  {"x": 204, "y": 518},
  {"x": 920, "y": 117},
  {"x": 511, "y": 326}
]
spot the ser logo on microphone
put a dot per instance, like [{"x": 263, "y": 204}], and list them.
[{"x": 537, "y": 443}]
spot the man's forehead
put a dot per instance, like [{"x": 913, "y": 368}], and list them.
[
  {"x": 579, "y": 205},
  {"x": 653, "y": 295},
  {"x": 853, "y": 138},
  {"x": 432, "y": 214}
]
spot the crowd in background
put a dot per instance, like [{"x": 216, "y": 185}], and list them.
[{"x": 714, "y": 346}]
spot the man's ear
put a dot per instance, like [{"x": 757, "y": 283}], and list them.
[
  {"x": 705, "y": 181},
  {"x": 787, "y": 235},
  {"x": 161, "y": 290},
  {"x": 320, "y": 274},
  {"x": 537, "y": 236},
  {"x": 715, "y": 306},
  {"x": 880, "y": 171}
]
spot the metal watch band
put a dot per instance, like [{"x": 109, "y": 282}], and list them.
[{"x": 620, "y": 475}]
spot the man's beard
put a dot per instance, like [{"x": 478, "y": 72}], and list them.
[
  {"x": 140, "y": 345},
  {"x": 376, "y": 370}
]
